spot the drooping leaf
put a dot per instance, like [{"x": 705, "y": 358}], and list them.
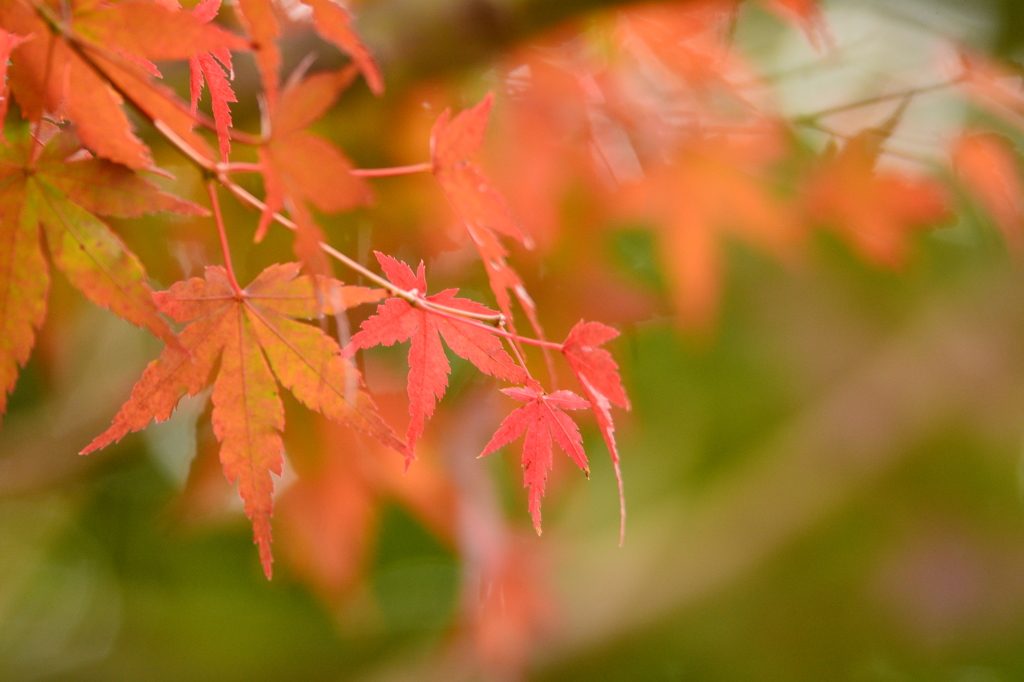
[
  {"x": 59, "y": 196},
  {"x": 210, "y": 67},
  {"x": 514, "y": 607},
  {"x": 334, "y": 23},
  {"x": 397, "y": 321},
  {"x": 259, "y": 343},
  {"x": 257, "y": 16},
  {"x": 328, "y": 516},
  {"x": 988, "y": 166},
  {"x": 543, "y": 420},
  {"x": 598, "y": 374},
  {"x": 478, "y": 204}
]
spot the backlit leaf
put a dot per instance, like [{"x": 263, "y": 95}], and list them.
[
  {"x": 397, "y": 321},
  {"x": 542, "y": 420},
  {"x": 259, "y": 345}
]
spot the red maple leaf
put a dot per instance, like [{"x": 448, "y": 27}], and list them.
[
  {"x": 476, "y": 201},
  {"x": 259, "y": 344},
  {"x": 542, "y": 419},
  {"x": 598, "y": 374},
  {"x": 205, "y": 66},
  {"x": 397, "y": 321}
]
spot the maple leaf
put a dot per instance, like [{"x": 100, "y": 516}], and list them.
[
  {"x": 302, "y": 167},
  {"x": 259, "y": 345},
  {"x": 211, "y": 67},
  {"x": 513, "y": 607},
  {"x": 598, "y": 374},
  {"x": 397, "y": 321},
  {"x": 988, "y": 166},
  {"x": 543, "y": 420},
  {"x": 876, "y": 211},
  {"x": 478, "y": 204},
  {"x": 40, "y": 189},
  {"x": 83, "y": 64},
  {"x": 716, "y": 187},
  {"x": 328, "y": 516}
]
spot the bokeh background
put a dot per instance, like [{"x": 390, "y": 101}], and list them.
[{"x": 823, "y": 463}]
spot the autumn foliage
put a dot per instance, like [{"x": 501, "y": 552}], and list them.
[{"x": 666, "y": 125}]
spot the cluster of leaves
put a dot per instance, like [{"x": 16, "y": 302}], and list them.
[
  {"x": 673, "y": 111},
  {"x": 72, "y": 67},
  {"x": 649, "y": 108}
]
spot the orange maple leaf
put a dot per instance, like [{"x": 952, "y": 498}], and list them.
[
  {"x": 331, "y": 20},
  {"x": 211, "y": 67},
  {"x": 8, "y": 41},
  {"x": 988, "y": 165},
  {"x": 63, "y": 70},
  {"x": 875, "y": 211},
  {"x": 716, "y": 187},
  {"x": 300, "y": 167},
  {"x": 328, "y": 516},
  {"x": 42, "y": 188},
  {"x": 259, "y": 344}
]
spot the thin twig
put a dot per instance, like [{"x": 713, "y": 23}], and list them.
[
  {"x": 239, "y": 167},
  {"x": 424, "y": 167},
  {"x": 878, "y": 99}
]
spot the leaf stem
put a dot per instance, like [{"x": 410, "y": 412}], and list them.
[
  {"x": 211, "y": 188},
  {"x": 514, "y": 341},
  {"x": 239, "y": 167},
  {"x": 184, "y": 147},
  {"x": 471, "y": 319},
  {"x": 424, "y": 167}
]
